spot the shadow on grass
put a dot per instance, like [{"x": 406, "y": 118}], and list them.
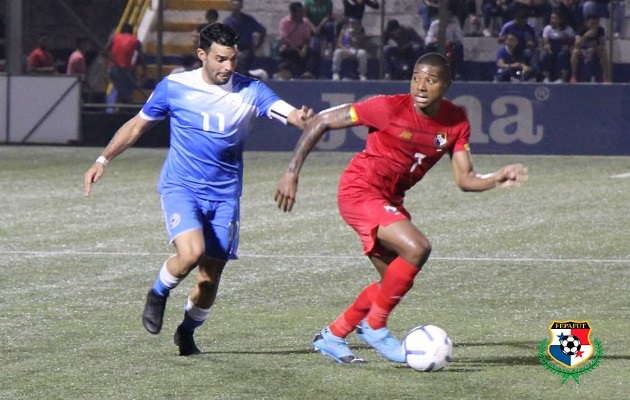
[{"x": 460, "y": 364}]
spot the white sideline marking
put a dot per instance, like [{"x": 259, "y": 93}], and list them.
[
  {"x": 488, "y": 259},
  {"x": 624, "y": 175}
]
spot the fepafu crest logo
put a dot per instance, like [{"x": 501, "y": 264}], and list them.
[
  {"x": 440, "y": 140},
  {"x": 570, "y": 347},
  {"x": 570, "y": 343}
]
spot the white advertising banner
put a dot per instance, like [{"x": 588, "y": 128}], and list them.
[{"x": 40, "y": 109}]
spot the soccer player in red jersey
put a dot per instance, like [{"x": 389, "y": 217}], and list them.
[{"x": 408, "y": 134}]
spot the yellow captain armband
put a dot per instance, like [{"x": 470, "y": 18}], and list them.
[{"x": 353, "y": 114}]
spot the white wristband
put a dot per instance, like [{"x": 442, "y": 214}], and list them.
[{"x": 102, "y": 160}]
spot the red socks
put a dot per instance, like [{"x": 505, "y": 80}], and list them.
[
  {"x": 377, "y": 301},
  {"x": 397, "y": 281},
  {"x": 354, "y": 314}
]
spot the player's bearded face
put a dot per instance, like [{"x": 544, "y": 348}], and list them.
[
  {"x": 218, "y": 64},
  {"x": 428, "y": 86}
]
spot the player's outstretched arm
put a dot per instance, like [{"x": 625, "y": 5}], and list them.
[
  {"x": 468, "y": 180},
  {"x": 299, "y": 117},
  {"x": 334, "y": 118},
  {"x": 123, "y": 139}
]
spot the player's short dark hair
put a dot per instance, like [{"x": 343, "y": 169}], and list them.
[
  {"x": 218, "y": 33},
  {"x": 437, "y": 60}
]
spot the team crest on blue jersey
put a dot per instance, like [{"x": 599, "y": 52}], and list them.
[
  {"x": 440, "y": 140},
  {"x": 233, "y": 99},
  {"x": 570, "y": 343},
  {"x": 174, "y": 220}
]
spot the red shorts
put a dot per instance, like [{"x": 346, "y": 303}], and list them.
[{"x": 365, "y": 213}]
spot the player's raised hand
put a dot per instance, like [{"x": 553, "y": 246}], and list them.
[
  {"x": 92, "y": 176},
  {"x": 512, "y": 175},
  {"x": 286, "y": 190}
]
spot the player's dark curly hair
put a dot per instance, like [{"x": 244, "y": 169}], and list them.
[
  {"x": 437, "y": 60},
  {"x": 217, "y": 33}
]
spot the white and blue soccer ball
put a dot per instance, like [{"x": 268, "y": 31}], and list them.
[{"x": 427, "y": 348}]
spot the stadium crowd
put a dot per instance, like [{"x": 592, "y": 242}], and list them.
[{"x": 551, "y": 41}]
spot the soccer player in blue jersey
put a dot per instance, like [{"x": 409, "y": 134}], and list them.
[{"x": 211, "y": 111}]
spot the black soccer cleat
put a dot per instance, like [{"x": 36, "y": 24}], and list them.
[
  {"x": 185, "y": 342},
  {"x": 153, "y": 313}
]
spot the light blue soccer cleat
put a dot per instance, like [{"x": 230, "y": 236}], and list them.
[
  {"x": 334, "y": 347},
  {"x": 382, "y": 341}
]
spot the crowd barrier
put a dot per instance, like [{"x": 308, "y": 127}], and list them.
[{"x": 506, "y": 118}]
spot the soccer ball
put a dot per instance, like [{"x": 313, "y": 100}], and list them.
[
  {"x": 427, "y": 348},
  {"x": 570, "y": 345}
]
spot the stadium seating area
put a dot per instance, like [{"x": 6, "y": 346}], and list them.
[{"x": 181, "y": 16}]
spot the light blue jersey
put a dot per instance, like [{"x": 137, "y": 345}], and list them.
[{"x": 209, "y": 124}]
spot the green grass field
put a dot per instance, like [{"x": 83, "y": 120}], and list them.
[{"x": 506, "y": 263}]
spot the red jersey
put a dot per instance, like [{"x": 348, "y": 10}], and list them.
[
  {"x": 39, "y": 58},
  {"x": 402, "y": 145},
  {"x": 123, "y": 48}
]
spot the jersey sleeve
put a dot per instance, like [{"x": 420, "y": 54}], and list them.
[
  {"x": 268, "y": 103},
  {"x": 370, "y": 112},
  {"x": 463, "y": 133},
  {"x": 157, "y": 107}
]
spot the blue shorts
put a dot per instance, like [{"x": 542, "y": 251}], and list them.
[{"x": 219, "y": 220}]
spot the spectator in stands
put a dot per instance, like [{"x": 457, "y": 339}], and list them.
[
  {"x": 466, "y": 13},
  {"x": 512, "y": 66},
  {"x": 77, "y": 65},
  {"x": 295, "y": 35},
  {"x": 320, "y": 15},
  {"x": 2, "y": 36},
  {"x": 427, "y": 10},
  {"x": 604, "y": 9},
  {"x": 211, "y": 17},
  {"x": 189, "y": 62},
  {"x": 354, "y": 9},
  {"x": 557, "y": 41},
  {"x": 531, "y": 9},
  {"x": 284, "y": 72},
  {"x": 251, "y": 35},
  {"x": 41, "y": 60},
  {"x": 494, "y": 15},
  {"x": 453, "y": 40},
  {"x": 126, "y": 54},
  {"x": 589, "y": 59},
  {"x": 571, "y": 11},
  {"x": 403, "y": 47},
  {"x": 350, "y": 45},
  {"x": 527, "y": 40}
]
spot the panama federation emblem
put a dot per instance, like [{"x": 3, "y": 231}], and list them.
[
  {"x": 440, "y": 140},
  {"x": 572, "y": 348}
]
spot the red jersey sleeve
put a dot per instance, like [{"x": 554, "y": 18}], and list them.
[
  {"x": 372, "y": 112},
  {"x": 462, "y": 129}
]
